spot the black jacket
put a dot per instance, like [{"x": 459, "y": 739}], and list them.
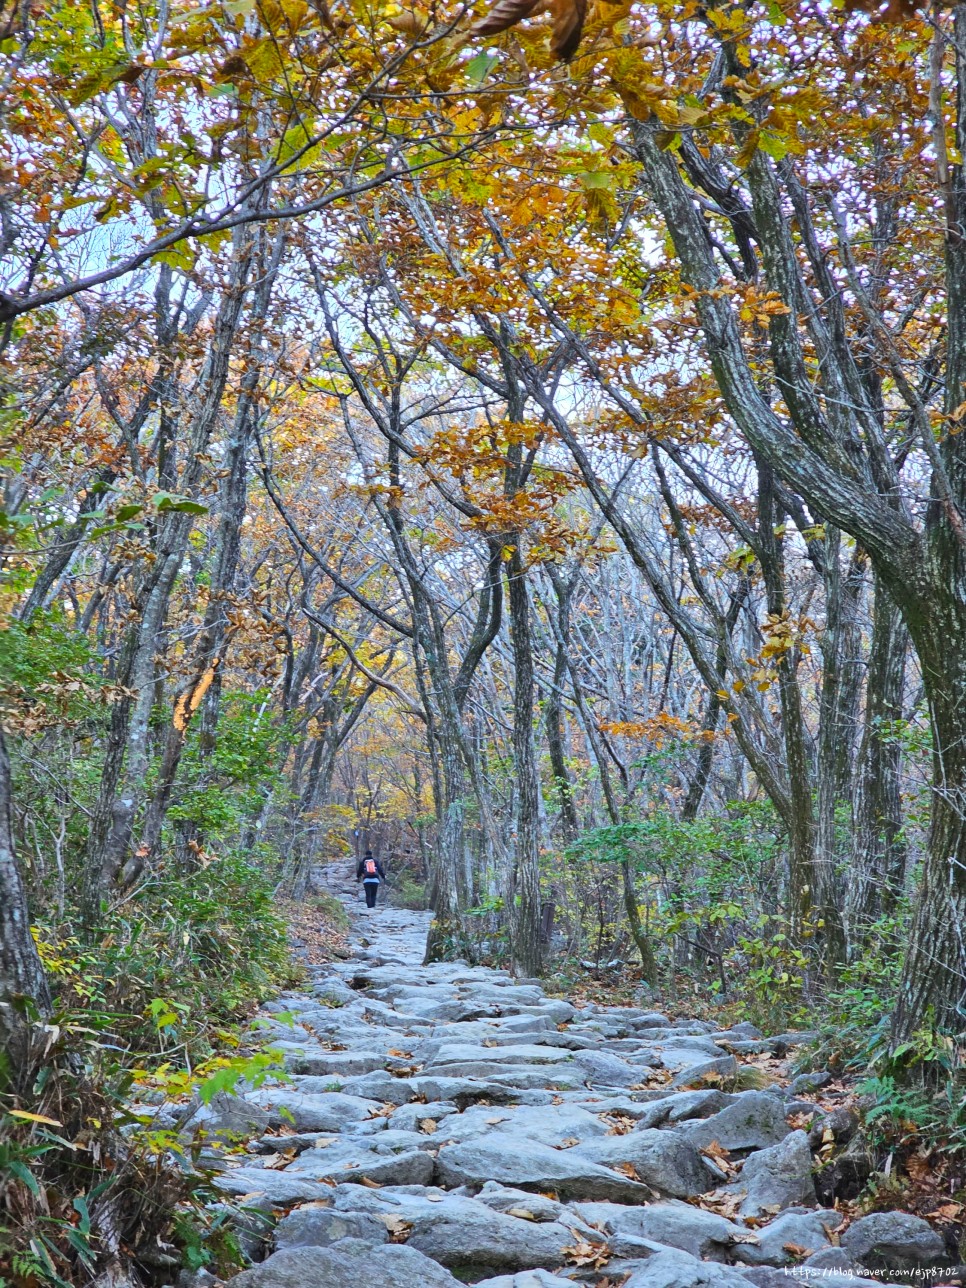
[{"x": 361, "y": 870}]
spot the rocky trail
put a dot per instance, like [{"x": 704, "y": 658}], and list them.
[{"x": 449, "y": 1124}]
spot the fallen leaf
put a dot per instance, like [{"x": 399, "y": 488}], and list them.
[
  {"x": 722, "y": 1202},
  {"x": 796, "y": 1249},
  {"x": 523, "y": 1213},
  {"x": 493, "y": 1121},
  {"x": 620, "y": 1124},
  {"x": 585, "y": 1253},
  {"x": 428, "y": 1125},
  {"x": 371, "y": 1185},
  {"x": 399, "y": 1230}
]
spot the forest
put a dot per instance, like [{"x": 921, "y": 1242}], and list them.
[{"x": 522, "y": 439}]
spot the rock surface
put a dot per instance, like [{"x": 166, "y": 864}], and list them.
[{"x": 445, "y": 1124}]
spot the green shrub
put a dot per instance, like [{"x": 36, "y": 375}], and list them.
[
  {"x": 172, "y": 967},
  {"x": 406, "y": 892}
]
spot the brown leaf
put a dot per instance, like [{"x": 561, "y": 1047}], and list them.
[
  {"x": 719, "y": 1155},
  {"x": 371, "y": 1185},
  {"x": 504, "y": 15},
  {"x": 408, "y": 24},
  {"x": 585, "y": 1253},
  {"x": 620, "y": 1124},
  {"x": 428, "y": 1125},
  {"x": 568, "y": 27},
  {"x": 796, "y": 1249},
  {"x": 720, "y": 1202},
  {"x": 523, "y": 1213},
  {"x": 399, "y": 1230}
]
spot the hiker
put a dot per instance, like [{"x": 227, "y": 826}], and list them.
[{"x": 370, "y": 873}]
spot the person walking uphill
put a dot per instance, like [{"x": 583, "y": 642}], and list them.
[{"x": 370, "y": 873}]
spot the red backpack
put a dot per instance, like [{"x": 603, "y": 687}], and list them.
[{"x": 370, "y": 868}]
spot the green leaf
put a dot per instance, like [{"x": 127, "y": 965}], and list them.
[
  {"x": 25, "y": 1175},
  {"x": 478, "y": 68},
  {"x": 773, "y": 144},
  {"x": 182, "y": 504}
]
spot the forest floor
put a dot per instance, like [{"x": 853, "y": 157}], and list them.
[{"x": 449, "y": 1124}]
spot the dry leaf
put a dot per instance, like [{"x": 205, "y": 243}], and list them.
[
  {"x": 796, "y": 1249},
  {"x": 523, "y": 1213},
  {"x": 626, "y": 1169},
  {"x": 493, "y": 1121},
  {"x": 399, "y": 1230},
  {"x": 569, "y": 1142},
  {"x": 371, "y": 1185},
  {"x": 721, "y": 1202},
  {"x": 386, "y": 1111},
  {"x": 428, "y": 1125},
  {"x": 620, "y": 1124},
  {"x": 585, "y": 1253},
  {"x": 721, "y": 1156},
  {"x": 490, "y": 1042}
]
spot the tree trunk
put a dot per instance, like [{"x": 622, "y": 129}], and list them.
[
  {"x": 127, "y": 757},
  {"x": 526, "y": 948},
  {"x": 877, "y": 871},
  {"x": 24, "y": 993}
]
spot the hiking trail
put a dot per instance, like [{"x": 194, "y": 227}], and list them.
[{"x": 448, "y": 1124}]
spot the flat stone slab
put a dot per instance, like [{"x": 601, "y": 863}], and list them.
[
  {"x": 528, "y": 1165},
  {"x": 344, "y": 1265}
]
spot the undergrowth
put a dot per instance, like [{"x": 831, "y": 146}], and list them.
[{"x": 157, "y": 999}]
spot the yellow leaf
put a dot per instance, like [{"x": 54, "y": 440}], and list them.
[{"x": 34, "y": 1118}]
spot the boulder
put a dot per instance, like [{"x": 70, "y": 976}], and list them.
[
  {"x": 279, "y": 1188},
  {"x": 894, "y": 1241},
  {"x": 753, "y": 1120},
  {"x": 349, "y": 1262},
  {"x": 527, "y": 1279},
  {"x": 502, "y": 1198},
  {"x": 228, "y": 1117},
  {"x": 664, "y": 1160},
  {"x": 797, "y": 1228},
  {"x": 678, "y": 1225},
  {"x": 331, "y": 1111},
  {"x": 682, "y": 1105},
  {"x": 671, "y": 1268},
  {"x": 725, "y": 1066},
  {"x": 313, "y": 1227},
  {"x": 603, "y": 1069},
  {"x": 530, "y": 1166},
  {"x": 779, "y": 1177},
  {"x": 316, "y": 1060},
  {"x": 808, "y": 1082},
  {"x": 845, "y": 1175}
]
